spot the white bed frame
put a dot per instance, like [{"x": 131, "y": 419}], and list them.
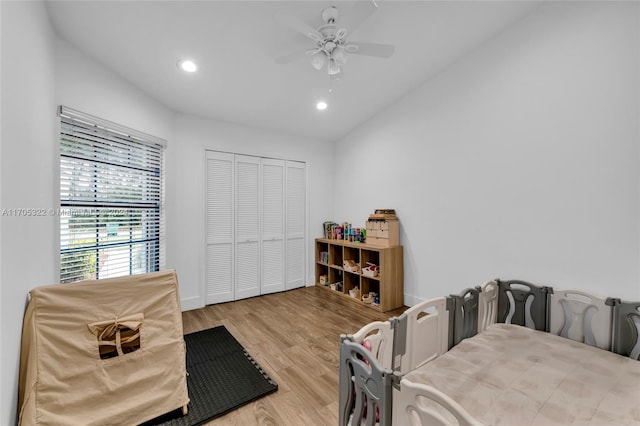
[{"x": 373, "y": 390}]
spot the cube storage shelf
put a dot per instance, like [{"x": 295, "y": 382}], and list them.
[{"x": 389, "y": 284}]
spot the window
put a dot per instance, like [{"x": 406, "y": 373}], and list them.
[{"x": 111, "y": 199}]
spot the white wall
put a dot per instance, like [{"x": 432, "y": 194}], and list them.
[
  {"x": 86, "y": 85},
  {"x": 28, "y": 136},
  {"x": 185, "y": 216},
  {"x": 519, "y": 161}
]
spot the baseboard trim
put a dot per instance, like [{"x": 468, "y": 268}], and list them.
[
  {"x": 411, "y": 300},
  {"x": 190, "y": 303}
]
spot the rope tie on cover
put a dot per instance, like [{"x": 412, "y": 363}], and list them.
[{"x": 109, "y": 332}]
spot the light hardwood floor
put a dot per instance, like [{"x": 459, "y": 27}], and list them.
[{"x": 294, "y": 336}]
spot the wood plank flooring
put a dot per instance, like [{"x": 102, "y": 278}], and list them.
[{"x": 294, "y": 336}]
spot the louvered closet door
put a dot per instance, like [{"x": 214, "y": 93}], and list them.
[
  {"x": 272, "y": 226},
  {"x": 219, "y": 217},
  {"x": 295, "y": 224},
  {"x": 247, "y": 262}
]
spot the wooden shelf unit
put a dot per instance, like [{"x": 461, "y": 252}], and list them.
[{"x": 389, "y": 284}]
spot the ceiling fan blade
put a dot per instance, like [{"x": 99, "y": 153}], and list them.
[
  {"x": 291, "y": 57},
  {"x": 311, "y": 52},
  {"x": 356, "y": 15},
  {"x": 370, "y": 49},
  {"x": 299, "y": 26}
]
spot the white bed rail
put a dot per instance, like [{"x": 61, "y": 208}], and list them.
[
  {"x": 487, "y": 305},
  {"x": 416, "y": 404},
  {"x": 379, "y": 335},
  {"x": 580, "y": 316},
  {"x": 427, "y": 325}
]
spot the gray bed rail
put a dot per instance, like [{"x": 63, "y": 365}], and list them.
[
  {"x": 625, "y": 338},
  {"x": 366, "y": 393},
  {"x": 465, "y": 315},
  {"x": 523, "y": 303}
]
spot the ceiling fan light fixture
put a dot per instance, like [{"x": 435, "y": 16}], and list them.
[
  {"x": 319, "y": 60},
  {"x": 187, "y": 65},
  {"x": 339, "y": 55},
  {"x": 333, "y": 68},
  {"x": 321, "y": 106}
]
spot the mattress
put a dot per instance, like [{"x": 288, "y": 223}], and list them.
[{"x": 512, "y": 375}]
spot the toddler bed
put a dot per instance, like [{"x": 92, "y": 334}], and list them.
[
  {"x": 535, "y": 356},
  {"x": 107, "y": 352}
]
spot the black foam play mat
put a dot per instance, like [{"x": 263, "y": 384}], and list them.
[{"x": 222, "y": 377}]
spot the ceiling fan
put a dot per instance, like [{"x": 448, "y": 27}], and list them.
[{"x": 332, "y": 48}]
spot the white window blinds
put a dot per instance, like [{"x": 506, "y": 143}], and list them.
[{"x": 111, "y": 199}]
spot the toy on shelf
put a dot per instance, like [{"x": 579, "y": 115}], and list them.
[
  {"x": 371, "y": 270},
  {"x": 344, "y": 231},
  {"x": 350, "y": 266},
  {"x": 336, "y": 286}
]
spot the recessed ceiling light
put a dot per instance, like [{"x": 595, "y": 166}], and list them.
[
  {"x": 187, "y": 65},
  {"x": 321, "y": 105}
]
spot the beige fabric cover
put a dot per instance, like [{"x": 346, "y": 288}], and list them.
[
  {"x": 63, "y": 380},
  {"x": 512, "y": 375}
]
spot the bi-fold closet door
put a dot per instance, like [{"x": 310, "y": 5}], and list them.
[
  {"x": 247, "y": 227},
  {"x": 255, "y": 214},
  {"x": 295, "y": 224},
  {"x": 273, "y": 232}
]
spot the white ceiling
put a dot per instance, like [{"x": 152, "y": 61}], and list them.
[{"x": 235, "y": 42}]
